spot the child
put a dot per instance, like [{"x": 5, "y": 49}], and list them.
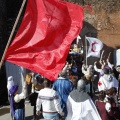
[{"x": 17, "y": 102}]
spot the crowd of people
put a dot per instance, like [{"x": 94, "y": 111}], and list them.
[{"x": 72, "y": 95}]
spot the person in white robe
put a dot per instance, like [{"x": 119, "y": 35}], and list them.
[
  {"x": 10, "y": 83},
  {"x": 107, "y": 81},
  {"x": 80, "y": 106}
]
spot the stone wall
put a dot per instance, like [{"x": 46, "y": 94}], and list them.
[
  {"x": 107, "y": 30},
  {"x": 104, "y": 17}
]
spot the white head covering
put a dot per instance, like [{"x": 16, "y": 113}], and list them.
[
  {"x": 10, "y": 83},
  {"x": 79, "y": 95}
]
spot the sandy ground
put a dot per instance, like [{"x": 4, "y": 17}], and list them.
[{"x": 5, "y": 112}]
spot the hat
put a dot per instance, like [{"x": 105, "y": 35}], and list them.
[
  {"x": 10, "y": 78},
  {"x": 13, "y": 89},
  {"x": 12, "y": 92},
  {"x": 107, "y": 67},
  {"x": 106, "y": 71},
  {"x": 10, "y": 82},
  {"x": 37, "y": 75}
]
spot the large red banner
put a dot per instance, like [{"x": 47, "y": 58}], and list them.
[{"x": 43, "y": 40}]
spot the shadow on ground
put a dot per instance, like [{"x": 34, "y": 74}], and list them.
[
  {"x": 4, "y": 111},
  {"x": 37, "y": 118},
  {"x": 29, "y": 117}
]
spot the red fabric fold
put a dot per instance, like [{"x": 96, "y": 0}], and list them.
[{"x": 45, "y": 35}]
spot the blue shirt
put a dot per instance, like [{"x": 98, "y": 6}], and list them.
[{"x": 63, "y": 87}]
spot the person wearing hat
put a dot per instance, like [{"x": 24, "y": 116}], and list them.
[
  {"x": 88, "y": 72},
  {"x": 10, "y": 83},
  {"x": 17, "y": 102},
  {"x": 107, "y": 81},
  {"x": 80, "y": 105},
  {"x": 63, "y": 86},
  {"x": 104, "y": 64}
]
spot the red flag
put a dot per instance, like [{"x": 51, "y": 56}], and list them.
[{"x": 45, "y": 35}]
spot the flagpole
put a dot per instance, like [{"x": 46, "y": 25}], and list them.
[
  {"x": 12, "y": 32},
  {"x": 109, "y": 55},
  {"x": 77, "y": 43},
  {"x": 86, "y": 50},
  {"x": 101, "y": 55}
]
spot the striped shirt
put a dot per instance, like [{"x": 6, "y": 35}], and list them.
[{"x": 49, "y": 100}]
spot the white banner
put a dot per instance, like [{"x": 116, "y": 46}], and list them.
[{"x": 95, "y": 46}]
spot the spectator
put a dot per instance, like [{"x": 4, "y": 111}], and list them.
[
  {"x": 88, "y": 72},
  {"x": 118, "y": 76},
  {"x": 112, "y": 107},
  {"x": 50, "y": 103},
  {"x": 37, "y": 85},
  {"x": 104, "y": 64},
  {"x": 107, "y": 81},
  {"x": 100, "y": 71},
  {"x": 80, "y": 106},
  {"x": 101, "y": 106},
  {"x": 113, "y": 70},
  {"x": 17, "y": 102},
  {"x": 10, "y": 83},
  {"x": 118, "y": 71},
  {"x": 74, "y": 69},
  {"x": 74, "y": 80},
  {"x": 28, "y": 79},
  {"x": 63, "y": 86}
]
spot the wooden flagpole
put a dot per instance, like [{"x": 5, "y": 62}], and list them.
[
  {"x": 86, "y": 49},
  {"x": 109, "y": 55},
  {"x": 12, "y": 32},
  {"x": 101, "y": 55}
]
